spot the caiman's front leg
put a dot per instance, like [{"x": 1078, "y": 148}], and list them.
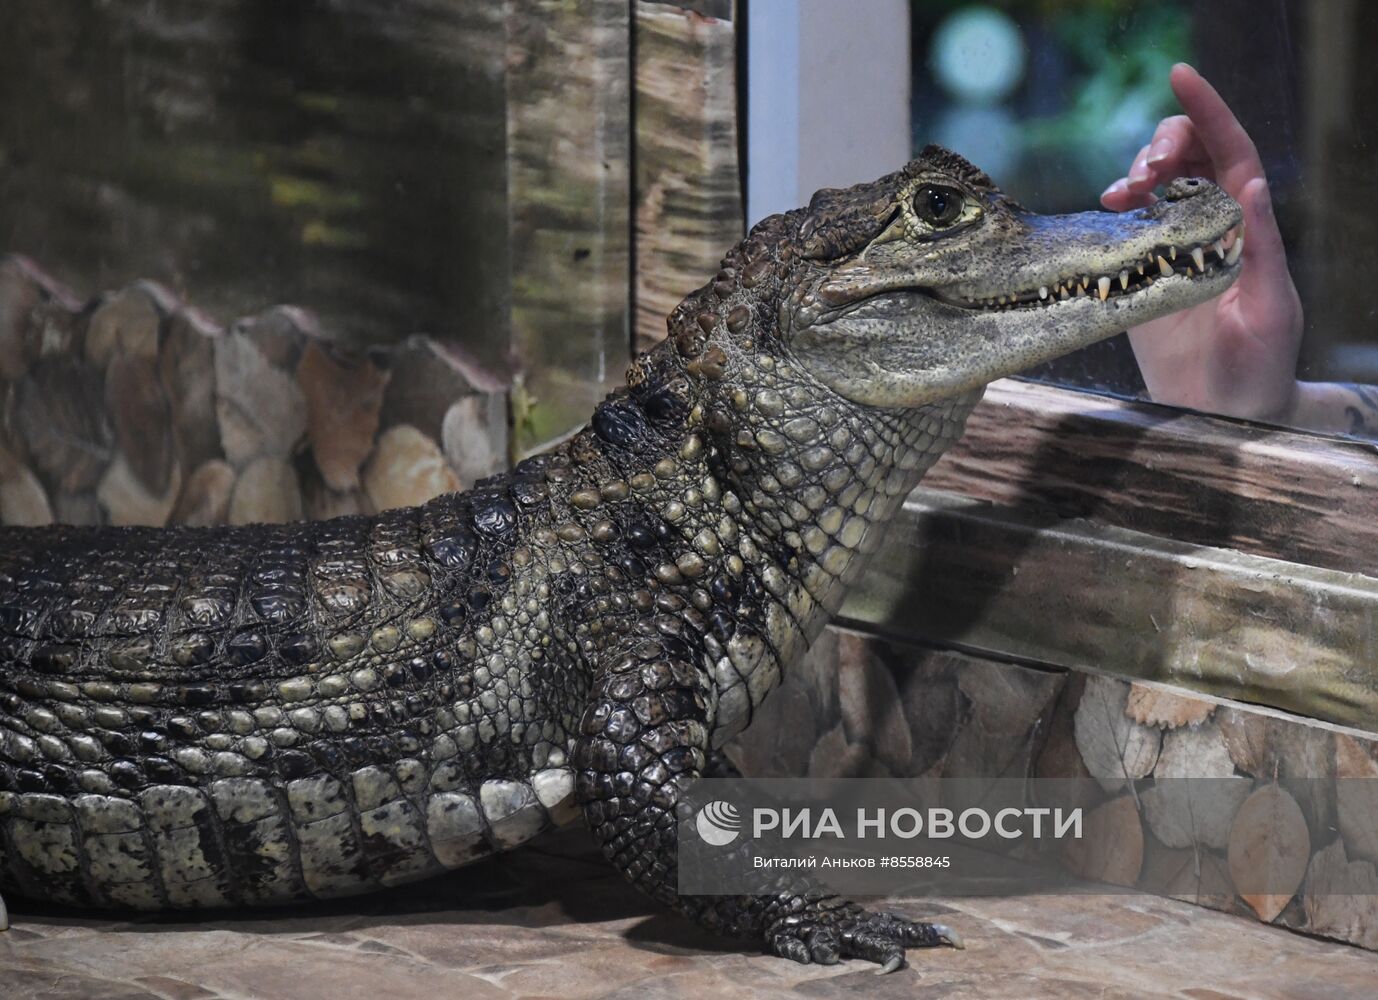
[{"x": 643, "y": 742}]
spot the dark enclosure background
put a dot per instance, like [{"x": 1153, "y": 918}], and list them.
[{"x": 349, "y": 157}]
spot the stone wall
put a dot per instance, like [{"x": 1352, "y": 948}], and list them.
[
  {"x": 1282, "y": 793},
  {"x": 136, "y": 408}
]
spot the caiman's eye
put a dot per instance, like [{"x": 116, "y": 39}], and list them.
[
  {"x": 926, "y": 211},
  {"x": 937, "y": 205}
]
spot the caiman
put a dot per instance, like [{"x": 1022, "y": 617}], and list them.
[{"x": 248, "y": 715}]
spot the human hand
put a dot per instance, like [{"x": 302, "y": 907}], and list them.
[{"x": 1236, "y": 354}]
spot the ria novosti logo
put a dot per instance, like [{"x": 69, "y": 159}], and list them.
[{"x": 718, "y": 823}]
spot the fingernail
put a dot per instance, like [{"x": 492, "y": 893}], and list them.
[
  {"x": 1139, "y": 172},
  {"x": 1160, "y": 150},
  {"x": 1116, "y": 188}
]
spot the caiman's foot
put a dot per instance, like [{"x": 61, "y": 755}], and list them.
[
  {"x": 827, "y": 936},
  {"x": 4, "y": 915}
]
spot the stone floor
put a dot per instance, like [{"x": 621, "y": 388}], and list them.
[{"x": 550, "y": 921}]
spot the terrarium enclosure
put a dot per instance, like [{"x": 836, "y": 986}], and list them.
[{"x": 262, "y": 267}]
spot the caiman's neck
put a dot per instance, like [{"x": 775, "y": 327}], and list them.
[
  {"x": 775, "y": 484},
  {"x": 813, "y": 473},
  {"x": 805, "y": 481}
]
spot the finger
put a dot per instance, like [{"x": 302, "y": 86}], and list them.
[
  {"x": 1227, "y": 144},
  {"x": 1176, "y": 151},
  {"x": 1144, "y": 176},
  {"x": 1118, "y": 198},
  {"x": 1139, "y": 172},
  {"x": 1174, "y": 137}
]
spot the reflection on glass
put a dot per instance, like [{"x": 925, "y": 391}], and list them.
[
  {"x": 1071, "y": 104},
  {"x": 248, "y": 153}
]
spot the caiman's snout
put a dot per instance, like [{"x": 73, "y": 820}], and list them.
[
  {"x": 1210, "y": 208},
  {"x": 1194, "y": 231},
  {"x": 1188, "y": 187},
  {"x": 1213, "y": 206},
  {"x": 921, "y": 314}
]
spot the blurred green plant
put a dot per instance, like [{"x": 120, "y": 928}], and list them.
[
  {"x": 1121, "y": 52},
  {"x": 1114, "y": 57}
]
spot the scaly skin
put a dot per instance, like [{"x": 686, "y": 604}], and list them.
[{"x": 205, "y": 717}]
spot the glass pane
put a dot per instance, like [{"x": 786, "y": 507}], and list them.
[
  {"x": 346, "y": 158},
  {"x": 1055, "y": 100}
]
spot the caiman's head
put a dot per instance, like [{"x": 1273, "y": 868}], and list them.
[{"x": 930, "y": 282}]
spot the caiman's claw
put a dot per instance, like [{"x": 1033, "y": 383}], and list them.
[
  {"x": 946, "y": 935},
  {"x": 4, "y": 916},
  {"x": 895, "y": 962}
]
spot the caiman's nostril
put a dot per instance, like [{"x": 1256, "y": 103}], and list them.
[{"x": 1186, "y": 187}]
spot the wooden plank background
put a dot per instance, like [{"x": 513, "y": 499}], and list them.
[
  {"x": 569, "y": 135},
  {"x": 688, "y": 186},
  {"x": 1146, "y": 542},
  {"x": 859, "y": 706},
  {"x": 1077, "y": 593},
  {"x": 1305, "y": 498}
]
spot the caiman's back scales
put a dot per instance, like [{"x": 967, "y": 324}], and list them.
[{"x": 206, "y": 716}]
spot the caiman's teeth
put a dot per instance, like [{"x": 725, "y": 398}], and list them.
[
  {"x": 1236, "y": 250},
  {"x": 1156, "y": 264}
]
